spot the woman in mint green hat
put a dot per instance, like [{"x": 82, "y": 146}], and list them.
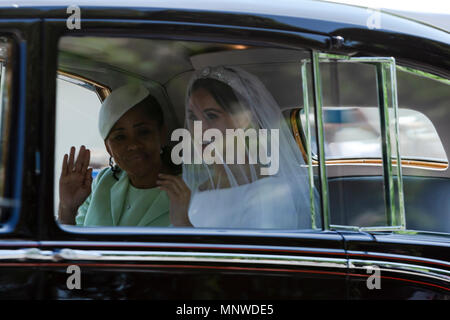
[{"x": 125, "y": 194}]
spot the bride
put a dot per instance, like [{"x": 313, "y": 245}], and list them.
[{"x": 232, "y": 194}]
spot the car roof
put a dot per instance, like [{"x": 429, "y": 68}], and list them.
[
  {"x": 311, "y": 9},
  {"x": 433, "y": 12},
  {"x": 437, "y": 20},
  {"x": 396, "y": 35}
]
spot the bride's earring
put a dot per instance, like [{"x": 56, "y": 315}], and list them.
[{"x": 114, "y": 168}]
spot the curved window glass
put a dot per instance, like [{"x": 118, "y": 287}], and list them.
[
  {"x": 208, "y": 116},
  {"x": 353, "y": 133},
  {"x": 6, "y": 76}
]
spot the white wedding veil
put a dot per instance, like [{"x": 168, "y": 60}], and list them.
[{"x": 258, "y": 195}]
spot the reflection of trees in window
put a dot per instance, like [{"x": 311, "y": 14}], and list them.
[
  {"x": 426, "y": 95},
  {"x": 353, "y": 87},
  {"x": 5, "y": 100},
  {"x": 140, "y": 58},
  {"x": 348, "y": 84}
]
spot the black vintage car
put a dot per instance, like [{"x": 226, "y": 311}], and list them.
[{"x": 365, "y": 94}]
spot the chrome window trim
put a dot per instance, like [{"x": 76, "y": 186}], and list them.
[
  {"x": 178, "y": 231},
  {"x": 387, "y": 92},
  {"x": 318, "y": 114},
  {"x": 404, "y": 268},
  {"x": 2, "y": 80},
  {"x": 423, "y": 233},
  {"x": 75, "y": 81},
  {"x": 304, "y": 74},
  {"x": 100, "y": 90},
  {"x": 423, "y": 74},
  {"x": 370, "y": 255},
  {"x": 192, "y": 246},
  {"x": 167, "y": 256},
  {"x": 224, "y": 258}
]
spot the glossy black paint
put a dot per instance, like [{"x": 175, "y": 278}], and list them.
[
  {"x": 184, "y": 283},
  {"x": 425, "y": 44},
  {"x": 37, "y": 31},
  {"x": 21, "y": 180},
  {"x": 410, "y": 250}
]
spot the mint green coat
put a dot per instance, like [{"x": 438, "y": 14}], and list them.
[{"x": 105, "y": 204}]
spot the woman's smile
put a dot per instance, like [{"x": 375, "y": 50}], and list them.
[
  {"x": 137, "y": 156},
  {"x": 135, "y": 144}
]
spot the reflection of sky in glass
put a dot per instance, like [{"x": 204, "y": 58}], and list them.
[
  {"x": 2, "y": 85},
  {"x": 76, "y": 124},
  {"x": 352, "y": 132}
]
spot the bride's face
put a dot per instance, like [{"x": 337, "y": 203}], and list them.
[{"x": 203, "y": 107}]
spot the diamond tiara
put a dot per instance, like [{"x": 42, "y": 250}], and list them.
[{"x": 219, "y": 73}]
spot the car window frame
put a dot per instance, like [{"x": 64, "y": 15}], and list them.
[
  {"x": 14, "y": 156},
  {"x": 56, "y": 28},
  {"x": 402, "y": 229}
]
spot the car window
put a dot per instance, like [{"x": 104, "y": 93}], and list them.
[
  {"x": 353, "y": 136},
  {"x": 77, "y": 108},
  {"x": 340, "y": 84},
  {"x": 426, "y": 189},
  {"x": 208, "y": 116},
  {"x": 6, "y": 74},
  {"x": 352, "y": 145}
]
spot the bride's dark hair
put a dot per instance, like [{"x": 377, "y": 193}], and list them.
[{"x": 221, "y": 92}]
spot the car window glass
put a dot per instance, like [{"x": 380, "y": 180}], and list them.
[
  {"x": 351, "y": 126},
  {"x": 6, "y": 74},
  {"x": 77, "y": 108},
  {"x": 353, "y": 151},
  {"x": 426, "y": 189},
  {"x": 357, "y": 136},
  {"x": 170, "y": 103}
]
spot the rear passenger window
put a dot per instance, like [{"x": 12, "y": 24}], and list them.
[
  {"x": 360, "y": 187},
  {"x": 426, "y": 187},
  {"x": 353, "y": 137}
]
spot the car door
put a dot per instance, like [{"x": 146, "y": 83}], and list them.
[
  {"x": 413, "y": 262},
  {"x": 396, "y": 232},
  {"x": 172, "y": 263}
]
